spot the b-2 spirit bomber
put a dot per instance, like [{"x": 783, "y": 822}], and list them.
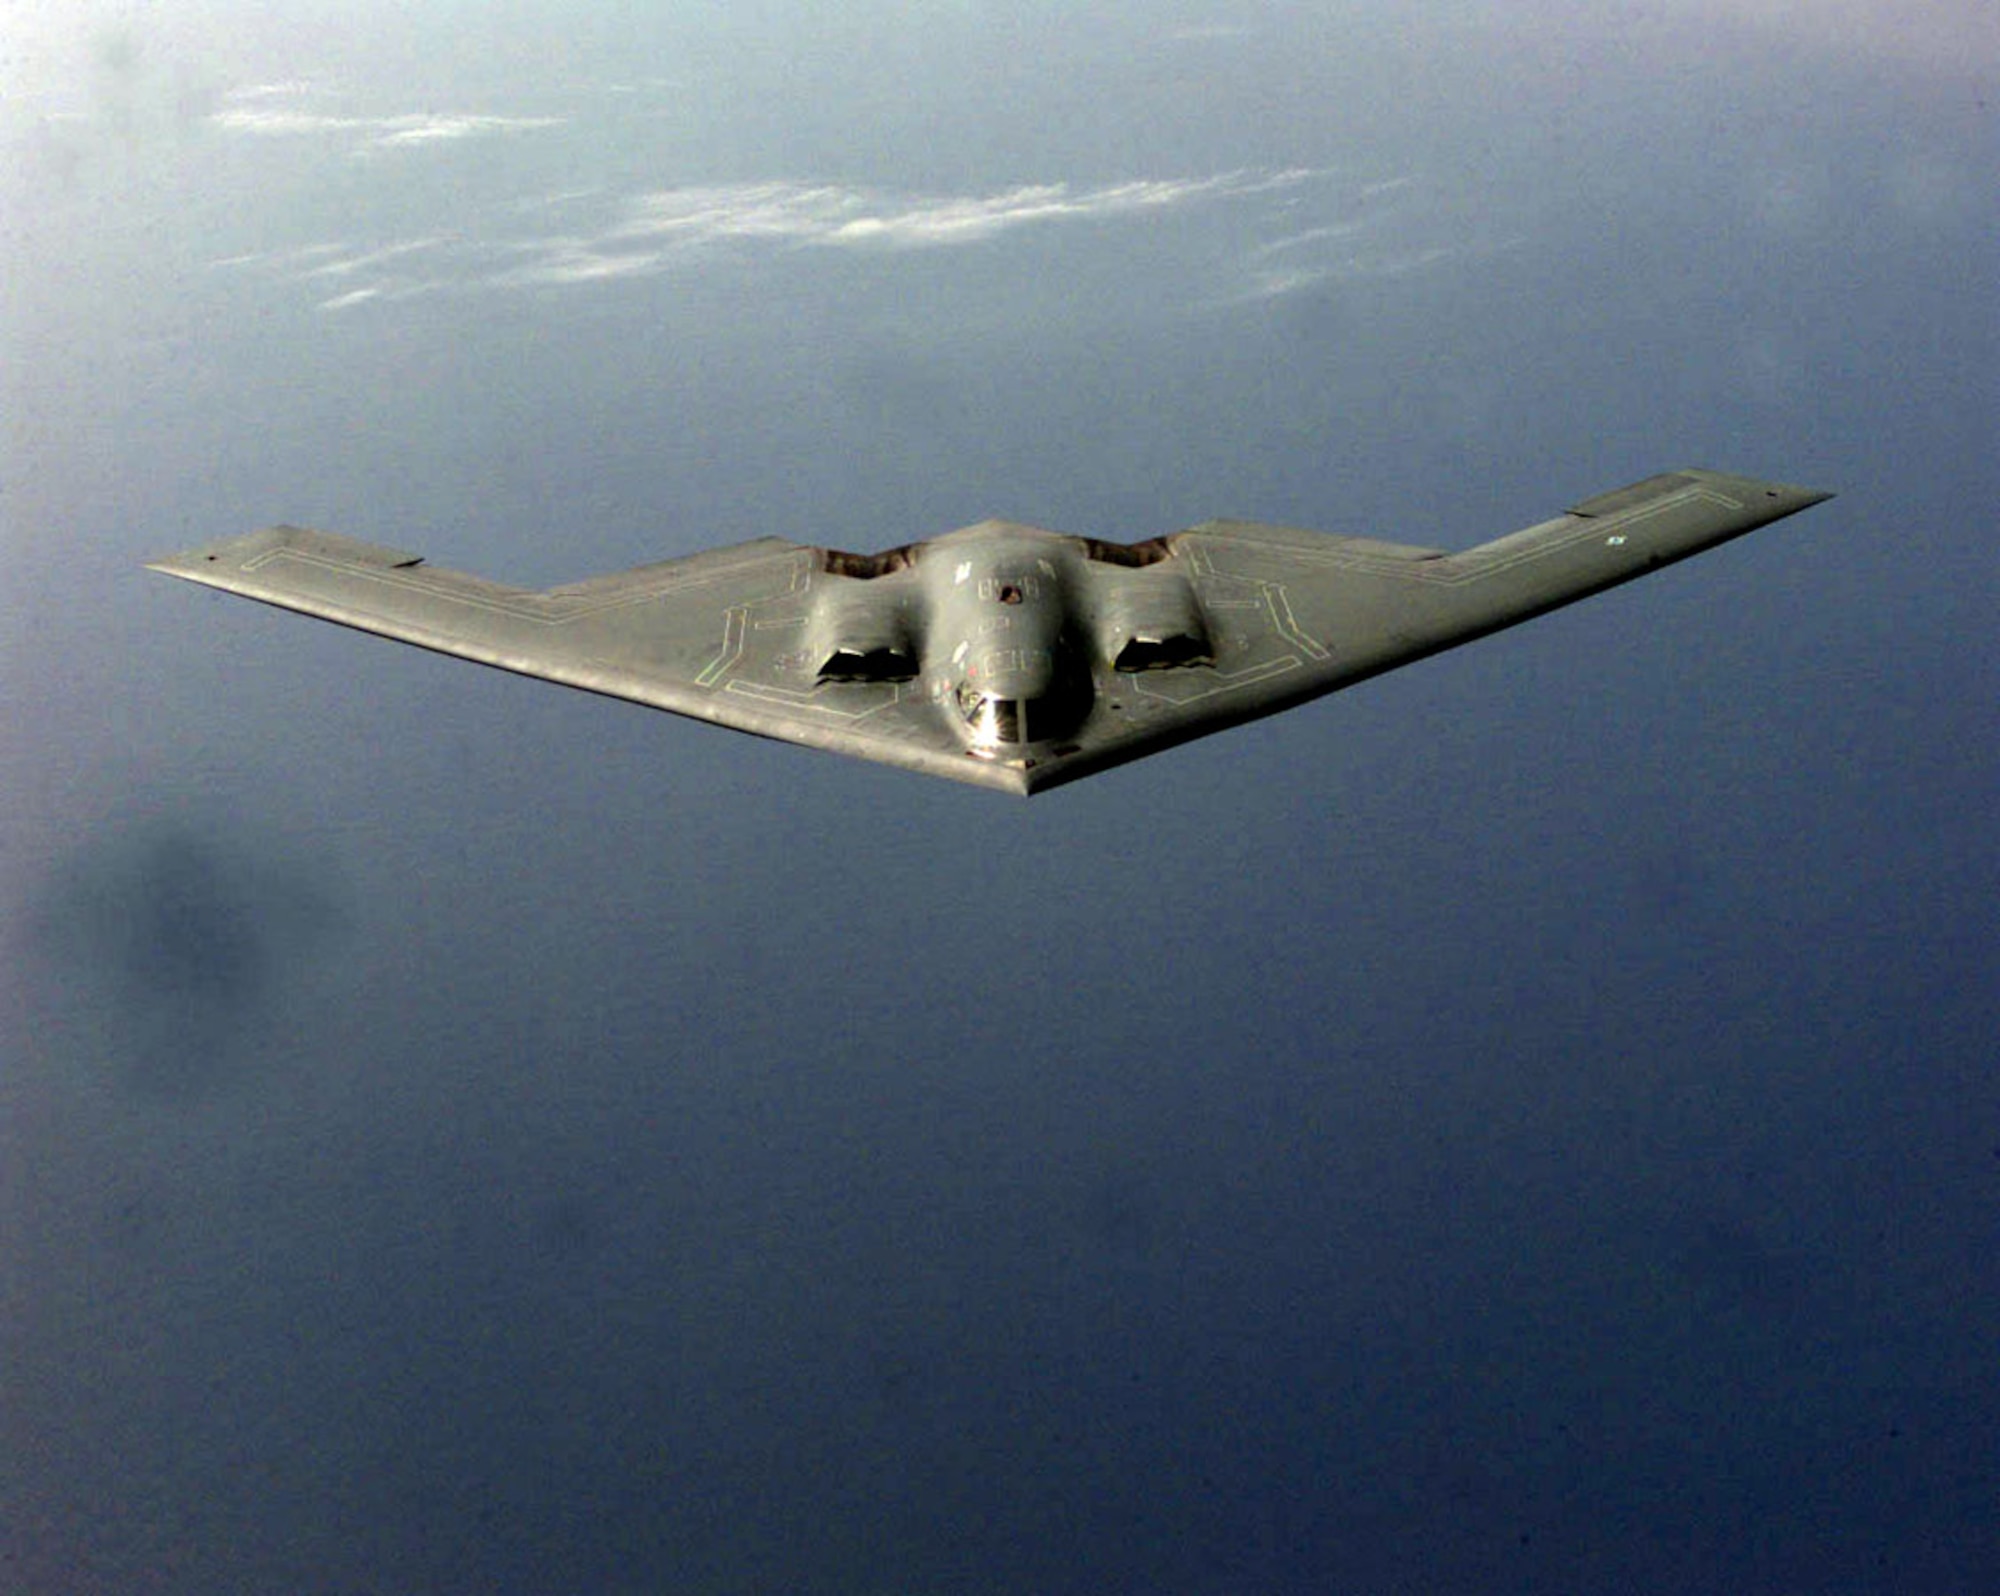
[{"x": 1001, "y": 654}]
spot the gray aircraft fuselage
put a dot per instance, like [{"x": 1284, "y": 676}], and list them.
[
  {"x": 1001, "y": 644},
  {"x": 1017, "y": 636}
]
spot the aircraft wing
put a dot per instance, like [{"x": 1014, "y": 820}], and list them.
[
  {"x": 1296, "y": 614},
  {"x": 710, "y": 635}
]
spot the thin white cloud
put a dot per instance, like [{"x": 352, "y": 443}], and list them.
[
  {"x": 1335, "y": 232},
  {"x": 835, "y": 216},
  {"x": 559, "y": 199},
  {"x": 968, "y": 220},
  {"x": 1268, "y": 284},
  {"x": 1359, "y": 265},
  {"x": 284, "y": 88},
  {"x": 574, "y": 261},
  {"x": 1310, "y": 236},
  {"x": 431, "y": 129},
  {"x": 262, "y": 111},
  {"x": 369, "y": 260},
  {"x": 277, "y": 259},
  {"x": 666, "y": 226},
  {"x": 1386, "y": 228},
  {"x": 710, "y": 214}
]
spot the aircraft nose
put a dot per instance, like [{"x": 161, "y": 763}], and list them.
[{"x": 1022, "y": 696}]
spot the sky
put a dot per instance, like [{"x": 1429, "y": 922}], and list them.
[{"x": 1527, "y": 1123}]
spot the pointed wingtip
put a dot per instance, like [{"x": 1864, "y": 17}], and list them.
[
  {"x": 224, "y": 552},
  {"x": 192, "y": 565},
  {"x": 1793, "y": 495},
  {"x": 1795, "y": 498}
]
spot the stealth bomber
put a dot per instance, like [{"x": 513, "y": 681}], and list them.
[{"x": 1001, "y": 654}]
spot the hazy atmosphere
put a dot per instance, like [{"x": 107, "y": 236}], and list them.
[{"x": 1527, "y": 1123}]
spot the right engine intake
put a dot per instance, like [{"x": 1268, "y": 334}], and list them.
[{"x": 1153, "y": 622}]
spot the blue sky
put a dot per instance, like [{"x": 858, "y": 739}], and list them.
[{"x": 1526, "y": 1123}]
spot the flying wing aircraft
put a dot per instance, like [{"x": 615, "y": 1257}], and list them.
[{"x": 1001, "y": 654}]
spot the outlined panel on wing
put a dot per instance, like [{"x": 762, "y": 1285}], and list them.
[
  {"x": 1295, "y": 614},
  {"x": 1347, "y": 608},
  {"x": 1289, "y": 608},
  {"x": 647, "y": 634},
  {"x": 715, "y": 636}
]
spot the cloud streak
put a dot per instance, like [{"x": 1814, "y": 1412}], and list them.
[
  {"x": 269, "y": 110},
  {"x": 659, "y": 227},
  {"x": 658, "y": 230},
  {"x": 846, "y": 217},
  {"x": 380, "y": 132},
  {"x": 585, "y": 236}
]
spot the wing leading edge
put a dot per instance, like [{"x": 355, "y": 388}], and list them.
[
  {"x": 1347, "y": 609},
  {"x": 728, "y": 635},
  {"x": 705, "y": 636}
]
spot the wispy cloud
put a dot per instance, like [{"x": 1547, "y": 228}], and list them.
[
  {"x": 281, "y": 89},
  {"x": 381, "y": 132},
  {"x": 1327, "y": 229},
  {"x": 1386, "y": 228},
  {"x": 1276, "y": 229},
  {"x": 274, "y": 110},
  {"x": 659, "y": 229},
  {"x": 373, "y": 259},
  {"x": 283, "y": 259},
  {"x": 1269, "y": 279},
  {"x": 839, "y": 217},
  {"x": 662, "y": 229},
  {"x": 326, "y": 264},
  {"x": 1311, "y": 236}
]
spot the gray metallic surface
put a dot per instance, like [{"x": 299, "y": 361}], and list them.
[{"x": 1001, "y": 655}]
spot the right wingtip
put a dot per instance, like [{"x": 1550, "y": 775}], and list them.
[{"x": 1790, "y": 495}]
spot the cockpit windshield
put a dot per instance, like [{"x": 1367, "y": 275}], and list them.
[{"x": 994, "y": 720}]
